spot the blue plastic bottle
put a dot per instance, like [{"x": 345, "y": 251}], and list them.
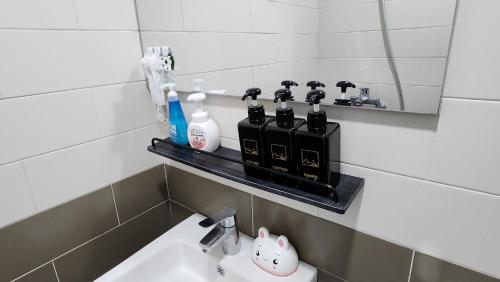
[{"x": 177, "y": 124}]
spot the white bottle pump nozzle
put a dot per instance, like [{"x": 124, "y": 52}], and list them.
[
  {"x": 198, "y": 115},
  {"x": 172, "y": 95},
  {"x": 197, "y": 84}
]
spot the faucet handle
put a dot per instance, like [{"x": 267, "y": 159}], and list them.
[
  {"x": 226, "y": 217},
  {"x": 364, "y": 92}
]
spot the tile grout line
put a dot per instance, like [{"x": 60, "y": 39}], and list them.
[
  {"x": 75, "y": 11},
  {"x": 166, "y": 180},
  {"x": 451, "y": 186},
  {"x": 253, "y": 222},
  {"x": 411, "y": 265},
  {"x": 116, "y": 207},
  {"x": 30, "y": 188},
  {"x": 88, "y": 241},
  {"x": 446, "y": 68},
  {"x": 82, "y": 143},
  {"x": 168, "y": 190},
  {"x": 272, "y": 32},
  {"x": 78, "y": 29},
  {"x": 55, "y": 271},
  {"x": 184, "y": 206},
  {"x": 29, "y": 272},
  {"x": 331, "y": 274},
  {"x": 71, "y": 89}
]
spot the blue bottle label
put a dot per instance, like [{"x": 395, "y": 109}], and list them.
[{"x": 173, "y": 132}]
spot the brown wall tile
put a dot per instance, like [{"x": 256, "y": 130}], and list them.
[
  {"x": 140, "y": 192},
  {"x": 206, "y": 196},
  {"x": 105, "y": 252},
  {"x": 40, "y": 238},
  {"x": 43, "y": 274},
  {"x": 327, "y": 277},
  {"x": 179, "y": 213},
  {"x": 348, "y": 254},
  {"x": 430, "y": 269}
]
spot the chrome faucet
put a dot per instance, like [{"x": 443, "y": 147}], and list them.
[
  {"x": 364, "y": 99},
  {"x": 225, "y": 231}
]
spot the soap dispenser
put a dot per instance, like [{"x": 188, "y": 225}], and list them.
[
  {"x": 280, "y": 135},
  {"x": 203, "y": 132},
  {"x": 251, "y": 132},
  {"x": 343, "y": 85},
  {"x": 317, "y": 143}
]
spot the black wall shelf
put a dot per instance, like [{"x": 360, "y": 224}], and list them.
[{"x": 227, "y": 163}]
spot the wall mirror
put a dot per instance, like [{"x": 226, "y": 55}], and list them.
[{"x": 394, "y": 51}]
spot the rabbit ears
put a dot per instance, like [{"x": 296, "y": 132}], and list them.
[{"x": 282, "y": 241}]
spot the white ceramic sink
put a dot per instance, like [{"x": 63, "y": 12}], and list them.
[{"x": 176, "y": 256}]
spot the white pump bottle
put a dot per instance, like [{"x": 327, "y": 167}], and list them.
[{"x": 203, "y": 132}]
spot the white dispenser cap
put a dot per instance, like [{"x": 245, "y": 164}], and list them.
[
  {"x": 198, "y": 115},
  {"x": 197, "y": 84},
  {"x": 172, "y": 95}
]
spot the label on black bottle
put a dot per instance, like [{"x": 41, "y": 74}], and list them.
[
  {"x": 278, "y": 152},
  {"x": 250, "y": 147},
  {"x": 310, "y": 158},
  {"x": 311, "y": 176},
  {"x": 284, "y": 169}
]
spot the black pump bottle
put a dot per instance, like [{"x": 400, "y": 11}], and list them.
[
  {"x": 344, "y": 100},
  {"x": 280, "y": 135},
  {"x": 251, "y": 134},
  {"x": 317, "y": 143}
]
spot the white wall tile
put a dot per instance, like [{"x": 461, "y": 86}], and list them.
[
  {"x": 123, "y": 107},
  {"x": 349, "y": 18},
  {"x": 61, "y": 60},
  {"x": 338, "y": 17},
  {"x": 368, "y": 44},
  {"x": 16, "y": 202},
  {"x": 67, "y": 174},
  {"x": 293, "y": 47},
  {"x": 417, "y": 99},
  {"x": 217, "y": 15},
  {"x": 432, "y": 42},
  {"x": 54, "y": 120},
  {"x": 443, "y": 221},
  {"x": 305, "y": 3},
  {"x": 412, "y": 71},
  {"x": 207, "y": 47},
  {"x": 420, "y": 13},
  {"x": 466, "y": 151},
  {"x": 329, "y": 3},
  {"x": 161, "y": 15},
  {"x": 388, "y": 142},
  {"x": 473, "y": 65},
  {"x": 276, "y": 17},
  {"x": 106, "y": 14},
  {"x": 247, "y": 49},
  {"x": 37, "y": 14}
]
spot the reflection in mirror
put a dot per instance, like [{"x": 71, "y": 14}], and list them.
[{"x": 394, "y": 51}]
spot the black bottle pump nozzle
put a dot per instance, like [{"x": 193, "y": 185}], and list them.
[
  {"x": 314, "y": 84},
  {"x": 343, "y": 101},
  {"x": 283, "y": 95},
  {"x": 316, "y": 119},
  {"x": 256, "y": 113},
  {"x": 289, "y": 83},
  {"x": 284, "y": 115}
]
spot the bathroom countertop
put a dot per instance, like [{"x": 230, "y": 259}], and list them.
[{"x": 346, "y": 188}]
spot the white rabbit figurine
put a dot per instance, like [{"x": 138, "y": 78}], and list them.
[{"x": 274, "y": 254}]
